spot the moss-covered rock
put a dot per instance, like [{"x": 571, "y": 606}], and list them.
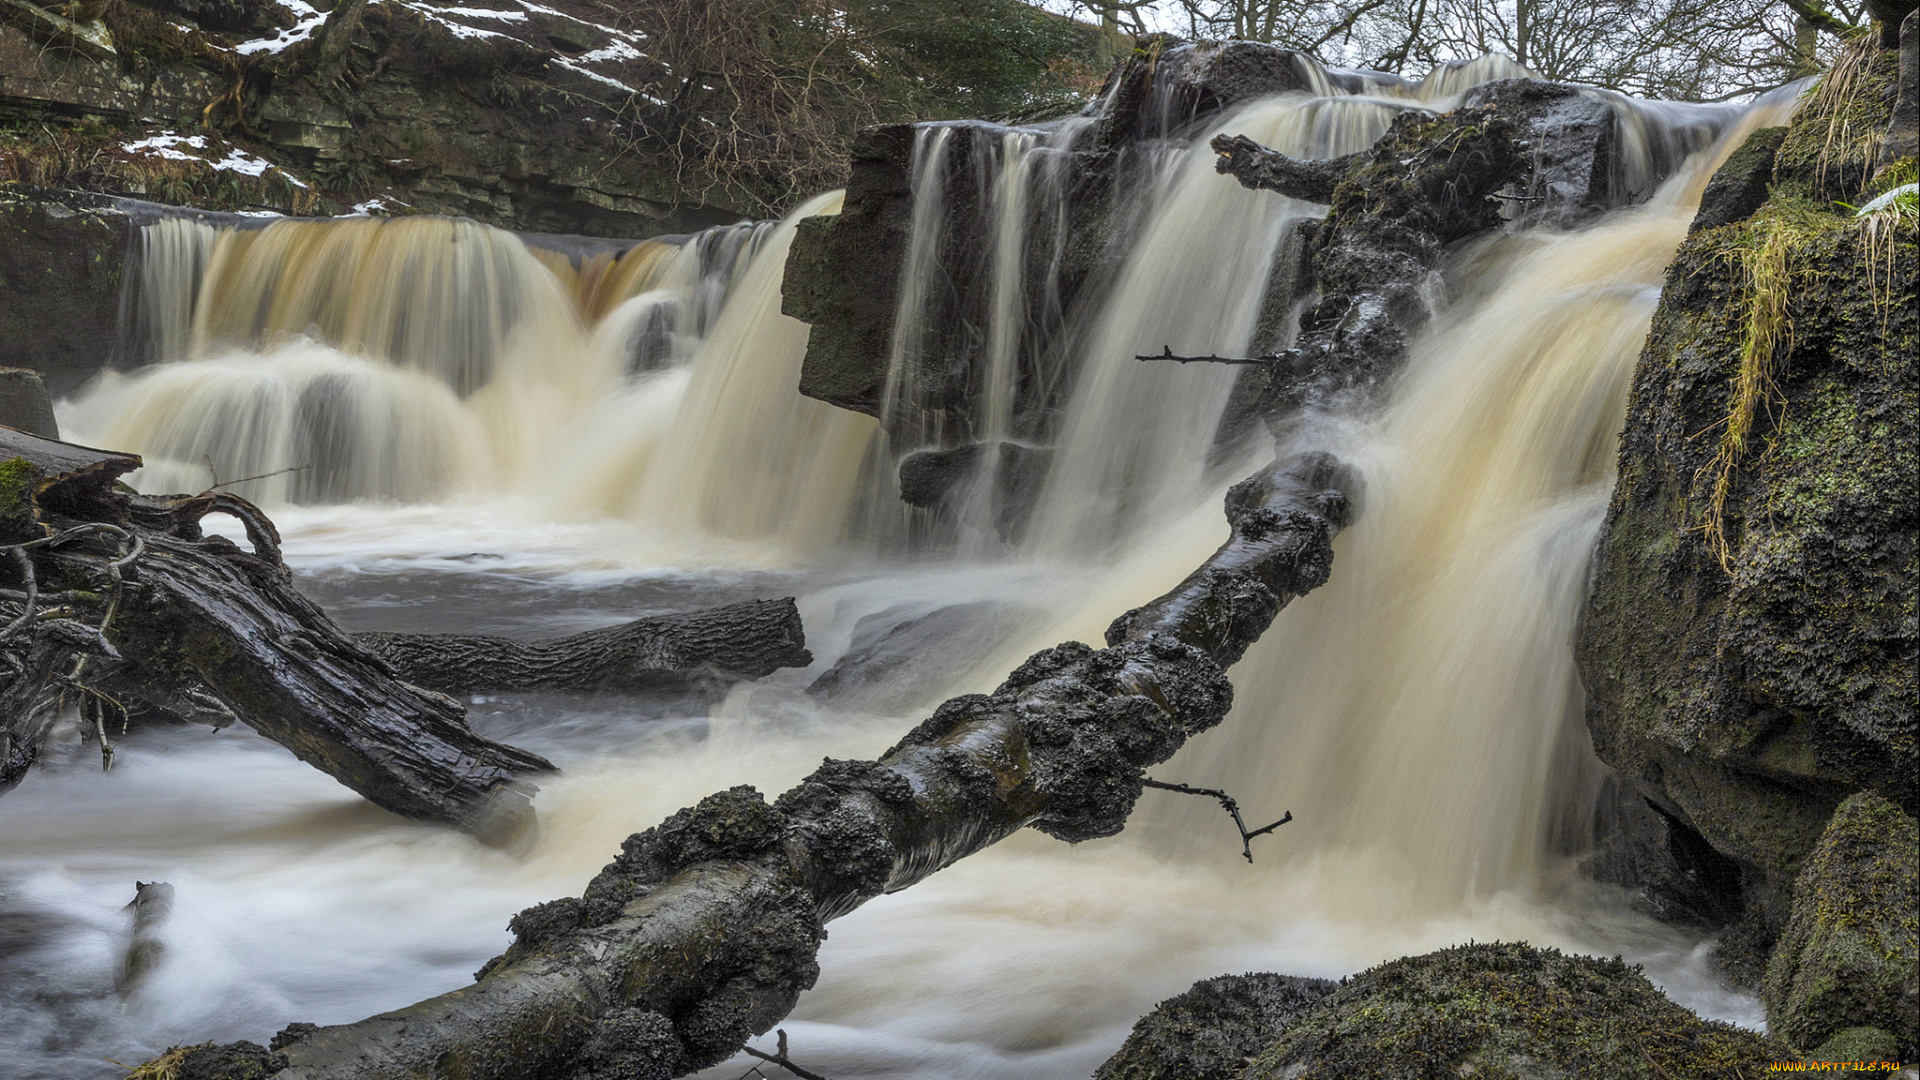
[
  {"x": 1507, "y": 1011},
  {"x": 1848, "y": 958},
  {"x": 1214, "y": 1029},
  {"x": 1749, "y": 645}
]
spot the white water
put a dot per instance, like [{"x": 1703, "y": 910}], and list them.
[{"x": 1413, "y": 714}]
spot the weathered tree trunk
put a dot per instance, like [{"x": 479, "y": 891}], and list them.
[
  {"x": 1256, "y": 166},
  {"x": 182, "y": 603},
  {"x": 292, "y": 675},
  {"x": 724, "y": 644},
  {"x": 704, "y": 931}
]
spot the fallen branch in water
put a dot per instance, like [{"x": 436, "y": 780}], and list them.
[
  {"x": 705, "y": 929},
  {"x": 214, "y": 630},
  {"x": 1262, "y": 361},
  {"x": 1231, "y": 806},
  {"x": 723, "y": 644}
]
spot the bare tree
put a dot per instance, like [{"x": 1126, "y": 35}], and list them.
[{"x": 1678, "y": 49}]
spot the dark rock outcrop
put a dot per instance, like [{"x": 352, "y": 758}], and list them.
[
  {"x": 1507, "y": 1010},
  {"x": 1213, "y": 1030},
  {"x": 500, "y": 116},
  {"x": 1740, "y": 186},
  {"x": 25, "y": 404},
  {"x": 60, "y": 259},
  {"x": 1749, "y": 646},
  {"x": 1850, "y": 955}
]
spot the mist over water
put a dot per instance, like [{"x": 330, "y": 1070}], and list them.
[{"x": 512, "y": 441}]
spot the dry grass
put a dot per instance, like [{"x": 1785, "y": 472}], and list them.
[
  {"x": 1852, "y": 132},
  {"x": 1763, "y": 257}
]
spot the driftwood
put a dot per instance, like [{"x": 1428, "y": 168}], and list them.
[
  {"x": 200, "y": 611},
  {"x": 1256, "y": 166},
  {"x": 704, "y": 931},
  {"x": 724, "y": 644}
]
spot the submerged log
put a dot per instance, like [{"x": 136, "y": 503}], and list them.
[
  {"x": 723, "y": 644},
  {"x": 167, "y": 599},
  {"x": 704, "y": 931}
]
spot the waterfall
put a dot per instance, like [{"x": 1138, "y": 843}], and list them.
[
  {"x": 402, "y": 360},
  {"x": 746, "y": 457},
  {"x": 1419, "y": 714}
]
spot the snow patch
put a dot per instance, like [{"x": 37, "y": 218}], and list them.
[
  {"x": 285, "y": 39},
  {"x": 618, "y": 50},
  {"x": 485, "y": 13},
  {"x": 594, "y": 75}
]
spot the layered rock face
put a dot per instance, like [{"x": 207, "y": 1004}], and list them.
[
  {"x": 844, "y": 272},
  {"x": 1749, "y": 645},
  {"x": 518, "y": 115}
]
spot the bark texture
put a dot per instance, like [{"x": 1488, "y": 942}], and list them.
[
  {"x": 703, "y": 932},
  {"x": 724, "y": 644},
  {"x": 210, "y": 621}
]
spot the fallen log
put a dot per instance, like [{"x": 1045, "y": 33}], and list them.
[
  {"x": 166, "y": 598},
  {"x": 723, "y": 644},
  {"x": 704, "y": 931}
]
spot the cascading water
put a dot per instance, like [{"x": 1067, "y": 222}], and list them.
[{"x": 1413, "y": 714}]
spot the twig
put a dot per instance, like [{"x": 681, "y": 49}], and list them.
[
  {"x": 245, "y": 479},
  {"x": 779, "y": 1057},
  {"x": 1227, "y": 802},
  {"x": 1288, "y": 357}
]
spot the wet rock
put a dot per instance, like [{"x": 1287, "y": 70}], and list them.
[
  {"x": 25, "y": 404},
  {"x": 1211, "y": 1031},
  {"x": 900, "y": 657},
  {"x": 217, "y": 1061},
  {"x": 1849, "y": 956},
  {"x": 60, "y": 256},
  {"x": 939, "y": 479},
  {"x": 1740, "y": 186},
  {"x": 1748, "y": 687},
  {"x": 1512, "y": 1011},
  {"x": 1679, "y": 876},
  {"x": 1903, "y": 127},
  {"x": 1165, "y": 87},
  {"x": 843, "y": 274}
]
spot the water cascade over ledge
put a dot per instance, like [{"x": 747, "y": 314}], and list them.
[{"x": 410, "y": 390}]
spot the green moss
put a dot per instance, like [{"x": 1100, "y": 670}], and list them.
[
  {"x": 1866, "y": 1044},
  {"x": 1831, "y": 147},
  {"x": 1850, "y": 955},
  {"x": 17, "y": 477},
  {"x": 1506, "y": 1011}
]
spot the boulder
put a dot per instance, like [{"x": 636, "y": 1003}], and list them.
[
  {"x": 1749, "y": 645},
  {"x": 1211, "y": 1031},
  {"x": 1848, "y": 959},
  {"x": 904, "y": 656},
  {"x": 1739, "y": 187},
  {"x": 24, "y": 403},
  {"x": 1509, "y": 1011}
]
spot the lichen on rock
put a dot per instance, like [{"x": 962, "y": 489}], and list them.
[
  {"x": 1507, "y": 1012},
  {"x": 1850, "y": 955}
]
